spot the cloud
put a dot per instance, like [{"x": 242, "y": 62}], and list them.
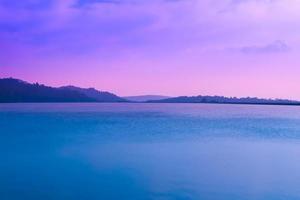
[
  {"x": 26, "y": 4},
  {"x": 235, "y": 2},
  {"x": 162, "y": 25},
  {"x": 274, "y": 47},
  {"x": 81, "y": 3}
]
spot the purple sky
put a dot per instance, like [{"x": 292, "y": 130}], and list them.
[{"x": 170, "y": 47}]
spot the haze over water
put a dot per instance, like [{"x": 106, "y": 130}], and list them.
[{"x": 149, "y": 151}]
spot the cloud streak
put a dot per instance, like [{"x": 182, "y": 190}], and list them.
[{"x": 275, "y": 47}]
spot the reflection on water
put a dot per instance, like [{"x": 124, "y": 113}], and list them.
[{"x": 149, "y": 151}]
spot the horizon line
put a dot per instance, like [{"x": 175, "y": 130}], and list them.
[{"x": 154, "y": 94}]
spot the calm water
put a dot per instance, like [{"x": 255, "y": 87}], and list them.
[{"x": 149, "y": 151}]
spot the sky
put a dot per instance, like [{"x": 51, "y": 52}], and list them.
[{"x": 168, "y": 47}]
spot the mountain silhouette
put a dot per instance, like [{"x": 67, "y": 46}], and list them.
[
  {"x": 226, "y": 100},
  {"x": 99, "y": 96},
  {"x": 143, "y": 98},
  {"x": 15, "y": 90}
]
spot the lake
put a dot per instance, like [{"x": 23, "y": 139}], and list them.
[{"x": 142, "y": 151}]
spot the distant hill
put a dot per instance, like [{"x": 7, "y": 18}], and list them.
[
  {"x": 225, "y": 100},
  {"x": 95, "y": 94},
  {"x": 15, "y": 90},
  {"x": 144, "y": 98}
]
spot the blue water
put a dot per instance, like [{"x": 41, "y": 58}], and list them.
[{"x": 149, "y": 151}]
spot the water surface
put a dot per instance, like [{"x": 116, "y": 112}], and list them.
[{"x": 149, "y": 151}]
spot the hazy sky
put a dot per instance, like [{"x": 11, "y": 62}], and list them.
[{"x": 170, "y": 47}]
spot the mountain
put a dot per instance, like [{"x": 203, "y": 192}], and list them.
[
  {"x": 225, "y": 100},
  {"x": 15, "y": 90},
  {"x": 99, "y": 96},
  {"x": 144, "y": 98}
]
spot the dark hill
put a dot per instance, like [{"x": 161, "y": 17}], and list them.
[
  {"x": 143, "y": 98},
  {"x": 226, "y": 100},
  {"x": 14, "y": 90},
  {"x": 100, "y": 96}
]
